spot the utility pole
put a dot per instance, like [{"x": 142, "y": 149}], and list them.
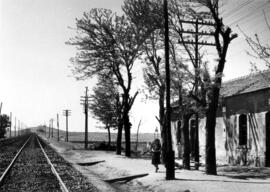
[
  {"x": 169, "y": 163},
  {"x": 49, "y": 126},
  {"x": 19, "y": 124},
  {"x": 85, "y": 103},
  {"x": 44, "y": 128},
  {"x": 66, "y": 113},
  {"x": 196, "y": 64},
  {"x": 1, "y": 107},
  {"x": 57, "y": 119},
  {"x": 15, "y": 128},
  {"x": 52, "y": 126},
  {"x": 10, "y": 121}
]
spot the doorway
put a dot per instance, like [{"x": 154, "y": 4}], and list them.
[
  {"x": 243, "y": 129},
  {"x": 267, "y": 139}
]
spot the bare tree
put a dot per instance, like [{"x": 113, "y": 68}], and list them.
[{"x": 259, "y": 50}]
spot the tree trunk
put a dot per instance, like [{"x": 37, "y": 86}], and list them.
[
  {"x": 180, "y": 120},
  {"x": 119, "y": 139},
  {"x": 179, "y": 139},
  {"x": 162, "y": 120},
  {"x": 197, "y": 144},
  {"x": 210, "y": 149},
  {"x": 109, "y": 136},
  {"x": 127, "y": 134},
  {"x": 186, "y": 142}
]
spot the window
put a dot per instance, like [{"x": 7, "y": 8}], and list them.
[
  {"x": 243, "y": 129},
  {"x": 178, "y": 132}
]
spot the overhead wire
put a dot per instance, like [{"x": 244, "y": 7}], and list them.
[{"x": 250, "y": 12}]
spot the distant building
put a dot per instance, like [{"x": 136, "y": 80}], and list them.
[{"x": 243, "y": 122}]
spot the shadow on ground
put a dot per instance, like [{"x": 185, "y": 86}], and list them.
[{"x": 243, "y": 172}]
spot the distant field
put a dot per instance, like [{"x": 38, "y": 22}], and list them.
[{"x": 100, "y": 136}]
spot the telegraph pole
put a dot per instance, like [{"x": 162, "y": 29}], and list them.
[
  {"x": 1, "y": 107},
  {"x": 196, "y": 131},
  {"x": 0, "y": 113},
  {"x": 85, "y": 103},
  {"x": 15, "y": 127},
  {"x": 19, "y": 124},
  {"x": 169, "y": 164},
  {"x": 52, "y": 126},
  {"x": 57, "y": 119},
  {"x": 45, "y": 128},
  {"x": 49, "y": 134},
  {"x": 10, "y": 121},
  {"x": 196, "y": 63},
  {"x": 66, "y": 113}
]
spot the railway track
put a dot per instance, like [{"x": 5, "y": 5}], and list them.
[
  {"x": 32, "y": 170},
  {"x": 8, "y": 150}
]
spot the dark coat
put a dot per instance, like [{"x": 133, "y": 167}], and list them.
[{"x": 155, "y": 149}]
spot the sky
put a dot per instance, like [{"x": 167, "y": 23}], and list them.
[{"x": 36, "y": 81}]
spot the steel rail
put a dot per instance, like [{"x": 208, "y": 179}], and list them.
[
  {"x": 62, "y": 185},
  {"x": 12, "y": 162}
]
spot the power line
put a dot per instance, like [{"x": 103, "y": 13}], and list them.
[
  {"x": 238, "y": 8},
  {"x": 251, "y": 11}
]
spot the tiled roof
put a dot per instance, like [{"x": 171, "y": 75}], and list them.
[{"x": 246, "y": 84}]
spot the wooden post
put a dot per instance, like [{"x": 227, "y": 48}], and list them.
[
  {"x": 85, "y": 102},
  {"x": 52, "y": 127},
  {"x": 169, "y": 162},
  {"x": 86, "y": 119},
  {"x": 10, "y": 120},
  {"x": 15, "y": 127},
  {"x": 1, "y": 107},
  {"x": 196, "y": 131},
  {"x": 67, "y": 126},
  {"x": 19, "y": 127},
  {"x": 49, "y": 135},
  {"x": 57, "y": 119},
  {"x": 66, "y": 113}
]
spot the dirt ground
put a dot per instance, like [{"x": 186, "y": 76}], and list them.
[{"x": 229, "y": 178}]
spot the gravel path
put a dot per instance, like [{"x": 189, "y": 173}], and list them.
[{"x": 73, "y": 179}]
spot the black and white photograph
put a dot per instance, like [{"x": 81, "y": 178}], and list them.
[{"x": 135, "y": 95}]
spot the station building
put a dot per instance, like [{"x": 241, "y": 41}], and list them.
[{"x": 242, "y": 123}]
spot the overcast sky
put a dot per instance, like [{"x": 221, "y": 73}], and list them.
[{"x": 35, "y": 78}]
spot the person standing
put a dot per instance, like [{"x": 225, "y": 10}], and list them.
[{"x": 156, "y": 151}]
